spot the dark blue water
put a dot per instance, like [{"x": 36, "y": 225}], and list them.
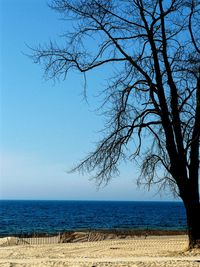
[{"x": 57, "y": 216}]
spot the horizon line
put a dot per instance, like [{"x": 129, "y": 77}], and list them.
[{"x": 91, "y": 200}]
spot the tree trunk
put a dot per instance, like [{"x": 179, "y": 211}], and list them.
[{"x": 193, "y": 221}]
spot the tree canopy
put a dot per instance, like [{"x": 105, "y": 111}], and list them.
[{"x": 152, "y": 99}]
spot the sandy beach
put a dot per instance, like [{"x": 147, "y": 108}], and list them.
[{"x": 153, "y": 251}]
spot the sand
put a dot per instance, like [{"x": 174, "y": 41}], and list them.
[{"x": 154, "y": 251}]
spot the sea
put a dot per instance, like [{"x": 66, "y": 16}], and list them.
[{"x": 28, "y": 217}]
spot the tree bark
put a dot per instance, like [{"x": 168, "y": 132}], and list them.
[
  {"x": 193, "y": 221},
  {"x": 191, "y": 199}
]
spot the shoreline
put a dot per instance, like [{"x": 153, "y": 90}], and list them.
[
  {"x": 87, "y": 237},
  {"x": 117, "y": 232}
]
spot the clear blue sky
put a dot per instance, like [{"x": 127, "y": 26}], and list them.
[{"x": 47, "y": 127}]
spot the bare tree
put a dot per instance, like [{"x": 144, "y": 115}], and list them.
[{"x": 153, "y": 48}]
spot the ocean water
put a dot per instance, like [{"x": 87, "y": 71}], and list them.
[{"x": 58, "y": 216}]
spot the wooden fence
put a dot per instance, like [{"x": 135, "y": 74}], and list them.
[{"x": 38, "y": 240}]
